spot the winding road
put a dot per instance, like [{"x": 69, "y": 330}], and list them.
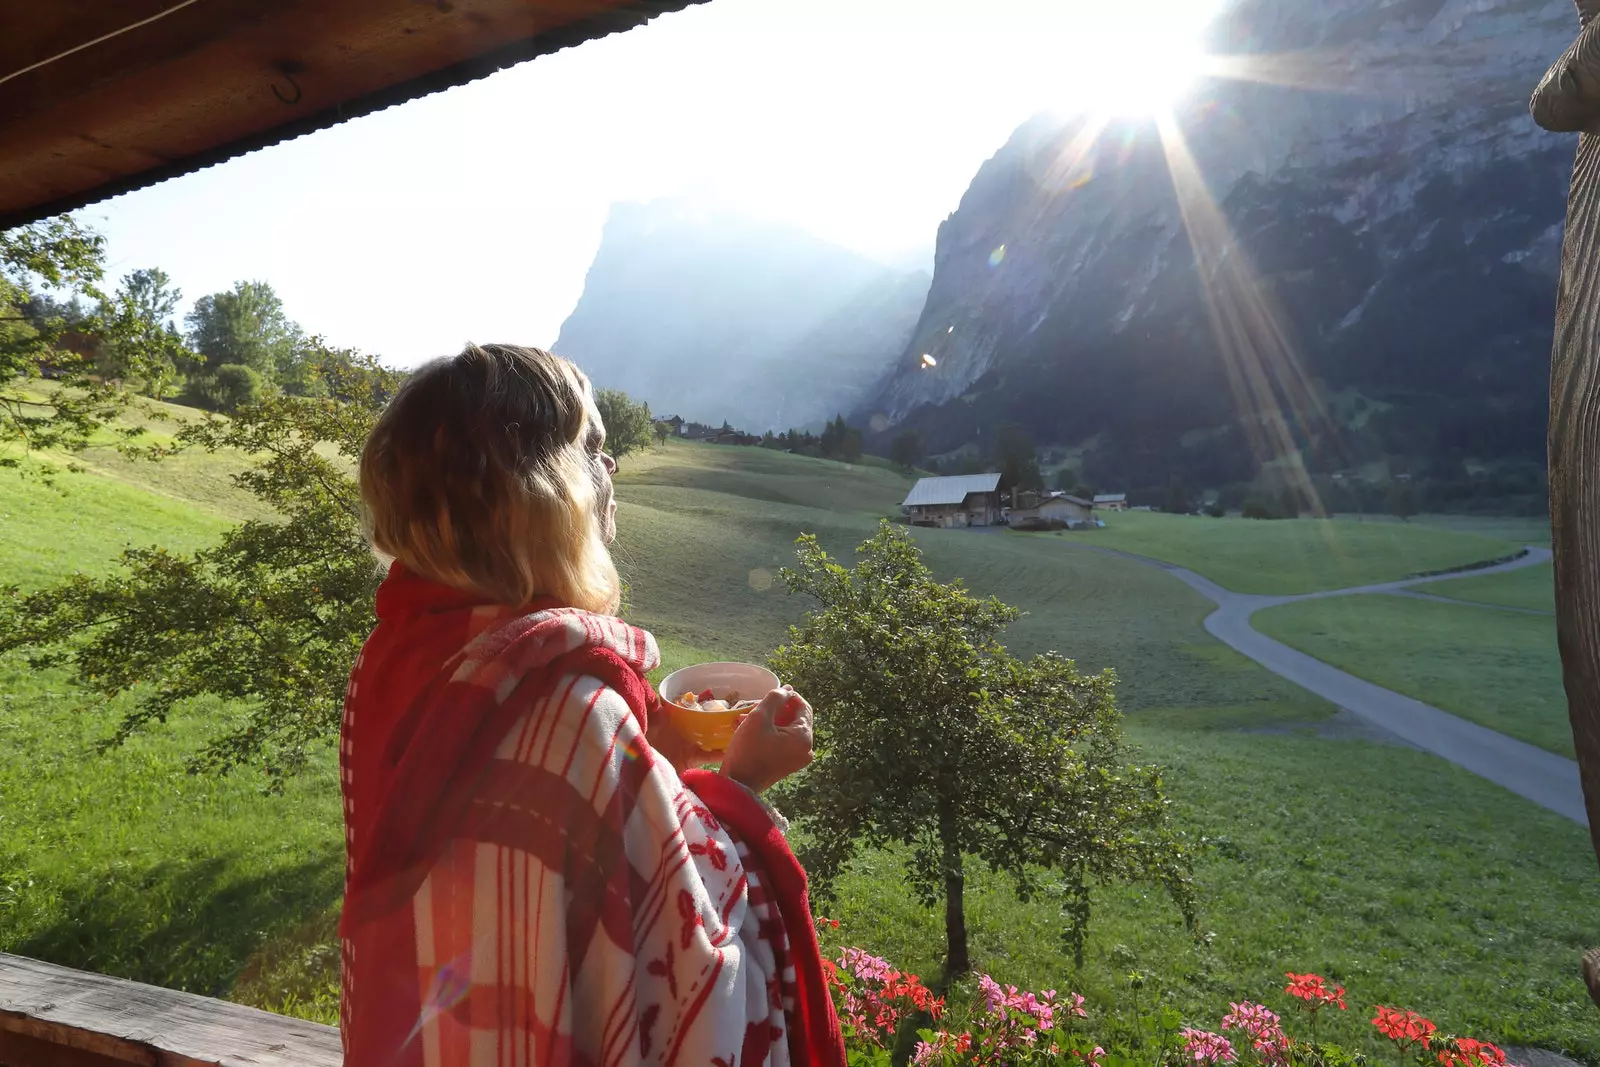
[{"x": 1545, "y": 778}]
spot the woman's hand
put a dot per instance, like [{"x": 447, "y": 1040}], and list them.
[
  {"x": 772, "y": 742},
  {"x": 674, "y": 747}
]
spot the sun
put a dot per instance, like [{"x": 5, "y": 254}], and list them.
[{"x": 1135, "y": 61}]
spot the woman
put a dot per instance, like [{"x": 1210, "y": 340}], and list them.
[{"x": 537, "y": 872}]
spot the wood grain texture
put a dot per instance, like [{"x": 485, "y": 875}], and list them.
[
  {"x": 90, "y": 1019},
  {"x": 1574, "y": 438},
  {"x": 218, "y": 79}
]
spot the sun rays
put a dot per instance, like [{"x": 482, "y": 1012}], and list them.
[{"x": 1280, "y": 407}]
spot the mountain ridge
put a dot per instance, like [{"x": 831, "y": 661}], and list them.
[{"x": 1404, "y": 246}]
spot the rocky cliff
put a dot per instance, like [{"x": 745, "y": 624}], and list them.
[
  {"x": 713, "y": 317},
  {"x": 1359, "y": 266}
]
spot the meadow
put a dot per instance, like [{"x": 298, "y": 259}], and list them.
[
  {"x": 1284, "y": 557},
  {"x": 1531, "y": 588},
  {"x": 1408, "y": 881},
  {"x": 1497, "y": 668}
]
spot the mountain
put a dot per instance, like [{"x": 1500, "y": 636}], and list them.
[
  {"x": 1359, "y": 271},
  {"x": 713, "y": 317}
]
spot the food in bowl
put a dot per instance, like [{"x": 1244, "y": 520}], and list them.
[
  {"x": 707, "y": 701},
  {"x": 710, "y": 701}
]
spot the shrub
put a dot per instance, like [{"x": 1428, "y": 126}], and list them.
[
  {"x": 226, "y": 388},
  {"x": 937, "y": 738}
]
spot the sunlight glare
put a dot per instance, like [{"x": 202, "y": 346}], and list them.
[
  {"x": 1133, "y": 60},
  {"x": 1278, "y": 402}
]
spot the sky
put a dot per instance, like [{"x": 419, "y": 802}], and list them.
[{"x": 473, "y": 214}]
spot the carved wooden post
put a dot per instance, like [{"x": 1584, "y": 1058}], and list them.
[{"x": 1568, "y": 101}]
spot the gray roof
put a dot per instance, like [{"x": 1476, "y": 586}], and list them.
[
  {"x": 951, "y": 490},
  {"x": 1109, "y": 498}
]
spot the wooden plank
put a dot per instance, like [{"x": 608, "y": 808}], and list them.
[
  {"x": 214, "y": 80},
  {"x": 111, "y": 1019},
  {"x": 25, "y": 1050}
]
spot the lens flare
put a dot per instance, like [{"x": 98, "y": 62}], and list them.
[
  {"x": 997, "y": 256},
  {"x": 929, "y": 361},
  {"x": 449, "y": 987}
]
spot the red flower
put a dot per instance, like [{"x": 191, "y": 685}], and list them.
[
  {"x": 1314, "y": 990},
  {"x": 1406, "y": 1027},
  {"x": 1470, "y": 1052}
]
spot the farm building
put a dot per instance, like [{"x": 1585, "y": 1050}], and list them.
[
  {"x": 1057, "y": 509},
  {"x": 962, "y": 500},
  {"x": 1111, "y": 501}
]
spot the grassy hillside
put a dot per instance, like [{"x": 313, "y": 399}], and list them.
[
  {"x": 1493, "y": 667},
  {"x": 1407, "y": 880},
  {"x": 1531, "y": 588},
  {"x": 1295, "y": 555}
]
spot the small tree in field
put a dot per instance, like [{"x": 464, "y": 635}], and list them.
[
  {"x": 932, "y": 736},
  {"x": 628, "y": 423},
  {"x": 663, "y": 432}
]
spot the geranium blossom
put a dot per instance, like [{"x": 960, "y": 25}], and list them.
[
  {"x": 1263, "y": 1027},
  {"x": 874, "y": 997},
  {"x": 1470, "y": 1052},
  {"x": 1406, "y": 1027},
  {"x": 1204, "y": 1047},
  {"x": 1314, "y": 990}
]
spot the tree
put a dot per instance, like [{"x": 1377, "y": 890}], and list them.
[
  {"x": 272, "y": 616},
  {"x": 906, "y": 449},
  {"x": 245, "y": 325},
  {"x": 233, "y": 386},
  {"x": 1177, "y": 497},
  {"x": 1402, "y": 499},
  {"x": 931, "y": 735},
  {"x": 52, "y": 392},
  {"x": 1017, "y": 457},
  {"x": 663, "y": 432},
  {"x": 840, "y": 440},
  {"x": 628, "y": 422},
  {"x": 1069, "y": 480},
  {"x": 144, "y": 340}
]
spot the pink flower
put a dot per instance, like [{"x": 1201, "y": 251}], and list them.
[
  {"x": 863, "y": 965},
  {"x": 1206, "y": 1048},
  {"x": 1262, "y": 1026}
]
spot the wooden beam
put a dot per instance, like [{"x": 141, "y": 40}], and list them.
[
  {"x": 54, "y": 1016},
  {"x": 214, "y": 80}
]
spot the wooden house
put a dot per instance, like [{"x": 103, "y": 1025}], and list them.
[{"x": 957, "y": 501}]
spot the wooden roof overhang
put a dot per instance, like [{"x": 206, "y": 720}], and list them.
[{"x": 100, "y": 97}]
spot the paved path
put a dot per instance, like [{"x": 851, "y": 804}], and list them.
[{"x": 1545, "y": 778}]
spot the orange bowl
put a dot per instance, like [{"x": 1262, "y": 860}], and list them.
[{"x": 712, "y": 730}]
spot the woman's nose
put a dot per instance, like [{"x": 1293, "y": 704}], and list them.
[{"x": 609, "y": 463}]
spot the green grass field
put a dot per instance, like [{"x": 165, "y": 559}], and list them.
[
  {"x": 1388, "y": 870},
  {"x": 1531, "y": 588},
  {"x": 1494, "y": 667},
  {"x": 1295, "y": 555}
]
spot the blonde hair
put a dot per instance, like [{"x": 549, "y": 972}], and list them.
[{"x": 482, "y": 474}]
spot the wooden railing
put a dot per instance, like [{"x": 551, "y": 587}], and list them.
[{"x": 56, "y": 1017}]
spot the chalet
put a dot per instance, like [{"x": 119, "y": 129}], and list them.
[
  {"x": 962, "y": 500},
  {"x": 1111, "y": 501},
  {"x": 734, "y": 437},
  {"x": 1055, "y": 511}
]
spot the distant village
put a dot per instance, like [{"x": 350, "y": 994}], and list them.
[
  {"x": 947, "y": 501},
  {"x": 965, "y": 500}
]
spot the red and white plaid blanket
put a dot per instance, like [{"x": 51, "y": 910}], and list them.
[{"x": 529, "y": 884}]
